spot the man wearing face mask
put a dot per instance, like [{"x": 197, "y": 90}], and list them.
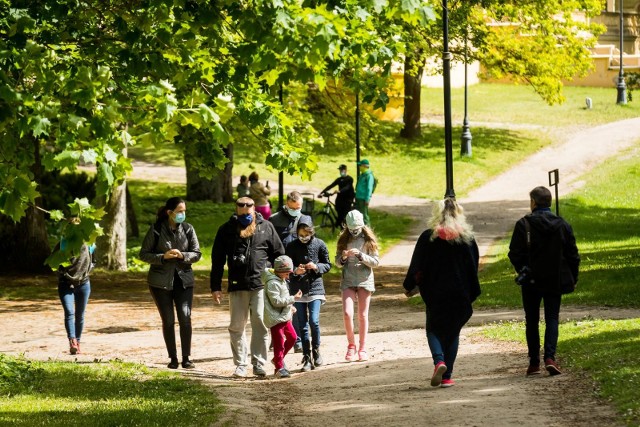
[
  {"x": 248, "y": 244},
  {"x": 364, "y": 189},
  {"x": 344, "y": 199},
  {"x": 285, "y": 220}
]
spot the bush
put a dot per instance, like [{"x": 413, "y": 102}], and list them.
[{"x": 18, "y": 375}]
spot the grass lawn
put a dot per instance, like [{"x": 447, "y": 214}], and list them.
[{"x": 109, "y": 394}]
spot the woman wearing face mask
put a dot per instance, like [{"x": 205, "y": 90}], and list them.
[
  {"x": 357, "y": 255},
  {"x": 311, "y": 256},
  {"x": 170, "y": 247}
]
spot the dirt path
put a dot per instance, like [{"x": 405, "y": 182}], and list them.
[{"x": 392, "y": 388}]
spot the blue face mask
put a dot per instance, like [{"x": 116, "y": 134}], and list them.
[
  {"x": 245, "y": 219},
  {"x": 294, "y": 212},
  {"x": 92, "y": 248},
  {"x": 180, "y": 217}
]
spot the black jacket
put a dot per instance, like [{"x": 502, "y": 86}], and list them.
[
  {"x": 162, "y": 271},
  {"x": 447, "y": 275},
  {"x": 561, "y": 273},
  {"x": 346, "y": 193},
  {"x": 301, "y": 253},
  {"x": 259, "y": 252}
]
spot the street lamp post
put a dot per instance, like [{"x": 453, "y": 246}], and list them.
[
  {"x": 446, "y": 74},
  {"x": 465, "y": 147},
  {"x": 281, "y": 173},
  {"x": 622, "y": 86}
]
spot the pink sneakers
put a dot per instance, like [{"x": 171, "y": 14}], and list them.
[
  {"x": 362, "y": 355},
  {"x": 438, "y": 372},
  {"x": 73, "y": 346},
  {"x": 447, "y": 383},
  {"x": 351, "y": 353}
]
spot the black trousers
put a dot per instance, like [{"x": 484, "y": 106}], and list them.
[
  {"x": 182, "y": 299},
  {"x": 531, "y": 299}
]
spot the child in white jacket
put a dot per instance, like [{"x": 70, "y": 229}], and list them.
[{"x": 278, "y": 310}]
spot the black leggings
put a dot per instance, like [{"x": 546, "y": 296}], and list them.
[{"x": 165, "y": 300}]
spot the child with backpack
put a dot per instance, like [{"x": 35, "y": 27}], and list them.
[
  {"x": 311, "y": 256},
  {"x": 357, "y": 255},
  {"x": 278, "y": 310}
]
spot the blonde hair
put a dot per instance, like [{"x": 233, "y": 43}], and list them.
[
  {"x": 449, "y": 223},
  {"x": 370, "y": 240}
]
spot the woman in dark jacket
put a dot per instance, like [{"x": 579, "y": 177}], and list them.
[
  {"x": 171, "y": 246},
  {"x": 444, "y": 267},
  {"x": 311, "y": 260}
]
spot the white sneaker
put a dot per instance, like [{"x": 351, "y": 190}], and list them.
[{"x": 240, "y": 372}]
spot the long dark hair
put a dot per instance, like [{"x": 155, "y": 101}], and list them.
[{"x": 169, "y": 205}]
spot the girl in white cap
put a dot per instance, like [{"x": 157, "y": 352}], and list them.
[{"x": 357, "y": 255}]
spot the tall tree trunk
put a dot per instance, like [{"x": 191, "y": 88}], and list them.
[
  {"x": 25, "y": 245},
  {"x": 217, "y": 189},
  {"x": 111, "y": 249},
  {"x": 412, "y": 87},
  {"x": 131, "y": 215}
]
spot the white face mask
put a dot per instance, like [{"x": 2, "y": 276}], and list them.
[
  {"x": 304, "y": 239},
  {"x": 343, "y": 173},
  {"x": 294, "y": 212},
  {"x": 355, "y": 232}
]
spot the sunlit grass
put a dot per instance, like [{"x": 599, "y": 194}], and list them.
[
  {"x": 607, "y": 350},
  {"x": 100, "y": 394}
]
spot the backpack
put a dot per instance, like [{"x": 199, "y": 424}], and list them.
[{"x": 546, "y": 259}]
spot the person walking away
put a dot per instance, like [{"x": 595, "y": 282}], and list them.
[
  {"x": 346, "y": 194},
  {"x": 171, "y": 247},
  {"x": 444, "y": 267},
  {"x": 364, "y": 190},
  {"x": 243, "y": 187},
  {"x": 357, "y": 255},
  {"x": 260, "y": 195},
  {"x": 74, "y": 288},
  {"x": 543, "y": 252},
  {"x": 285, "y": 222},
  {"x": 311, "y": 258},
  {"x": 247, "y": 244},
  {"x": 278, "y": 311}
]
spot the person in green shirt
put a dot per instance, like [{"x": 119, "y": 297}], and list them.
[{"x": 364, "y": 189}]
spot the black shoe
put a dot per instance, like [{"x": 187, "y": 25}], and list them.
[
  {"x": 317, "y": 358},
  {"x": 306, "y": 363},
  {"x": 259, "y": 371},
  {"x": 297, "y": 347},
  {"x": 188, "y": 364},
  {"x": 173, "y": 364}
]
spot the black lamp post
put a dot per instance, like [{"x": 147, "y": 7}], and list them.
[
  {"x": 357, "y": 134},
  {"x": 446, "y": 74},
  {"x": 465, "y": 146},
  {"x": 622, "y": 86},
  {"x": 281, "y": 173}
]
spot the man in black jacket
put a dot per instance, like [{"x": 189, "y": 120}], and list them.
[
  {"x": 346, "y": 194},
  {"x": 247, "y": 244},
  {"x": 544, "y": 253},
  {"x": 286, "y": 219}
]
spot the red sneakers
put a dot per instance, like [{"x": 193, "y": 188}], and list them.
[
  {"x": 533, "y": 370},
  {"x": 438, "y": 372},
  {"x": 552, "y": 367},
  {"x": 447, "y": 383},
  {"x": 73, "y": 346}
]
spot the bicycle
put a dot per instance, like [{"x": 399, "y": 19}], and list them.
[{"x": 327, "y": 216}]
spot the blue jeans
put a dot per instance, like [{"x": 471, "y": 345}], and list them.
[
  {"x": 444, "y": 349},
  {"x": 74, "y": 301},
  {"x": 308, "y": 314},
  {"x": 165, "y": 300},
  {"x": 531, "y": 299}
]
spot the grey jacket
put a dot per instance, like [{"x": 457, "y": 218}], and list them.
[
  {"x": 162, "y": 271},
  {"x": 277, "y": 301},
  {"x": 358, "y": 273}
]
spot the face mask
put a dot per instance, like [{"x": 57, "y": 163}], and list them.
[
  {"x": 294, "y": 212},
  {"x": 355, "y": 232},
  {"x": 343, "y": 173},
  {"x": 180, "y": 217},
  {"x": 245, "y": 219},
  {"x": 92, "y": 248},
  {"x": 304, "y": 239}
]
